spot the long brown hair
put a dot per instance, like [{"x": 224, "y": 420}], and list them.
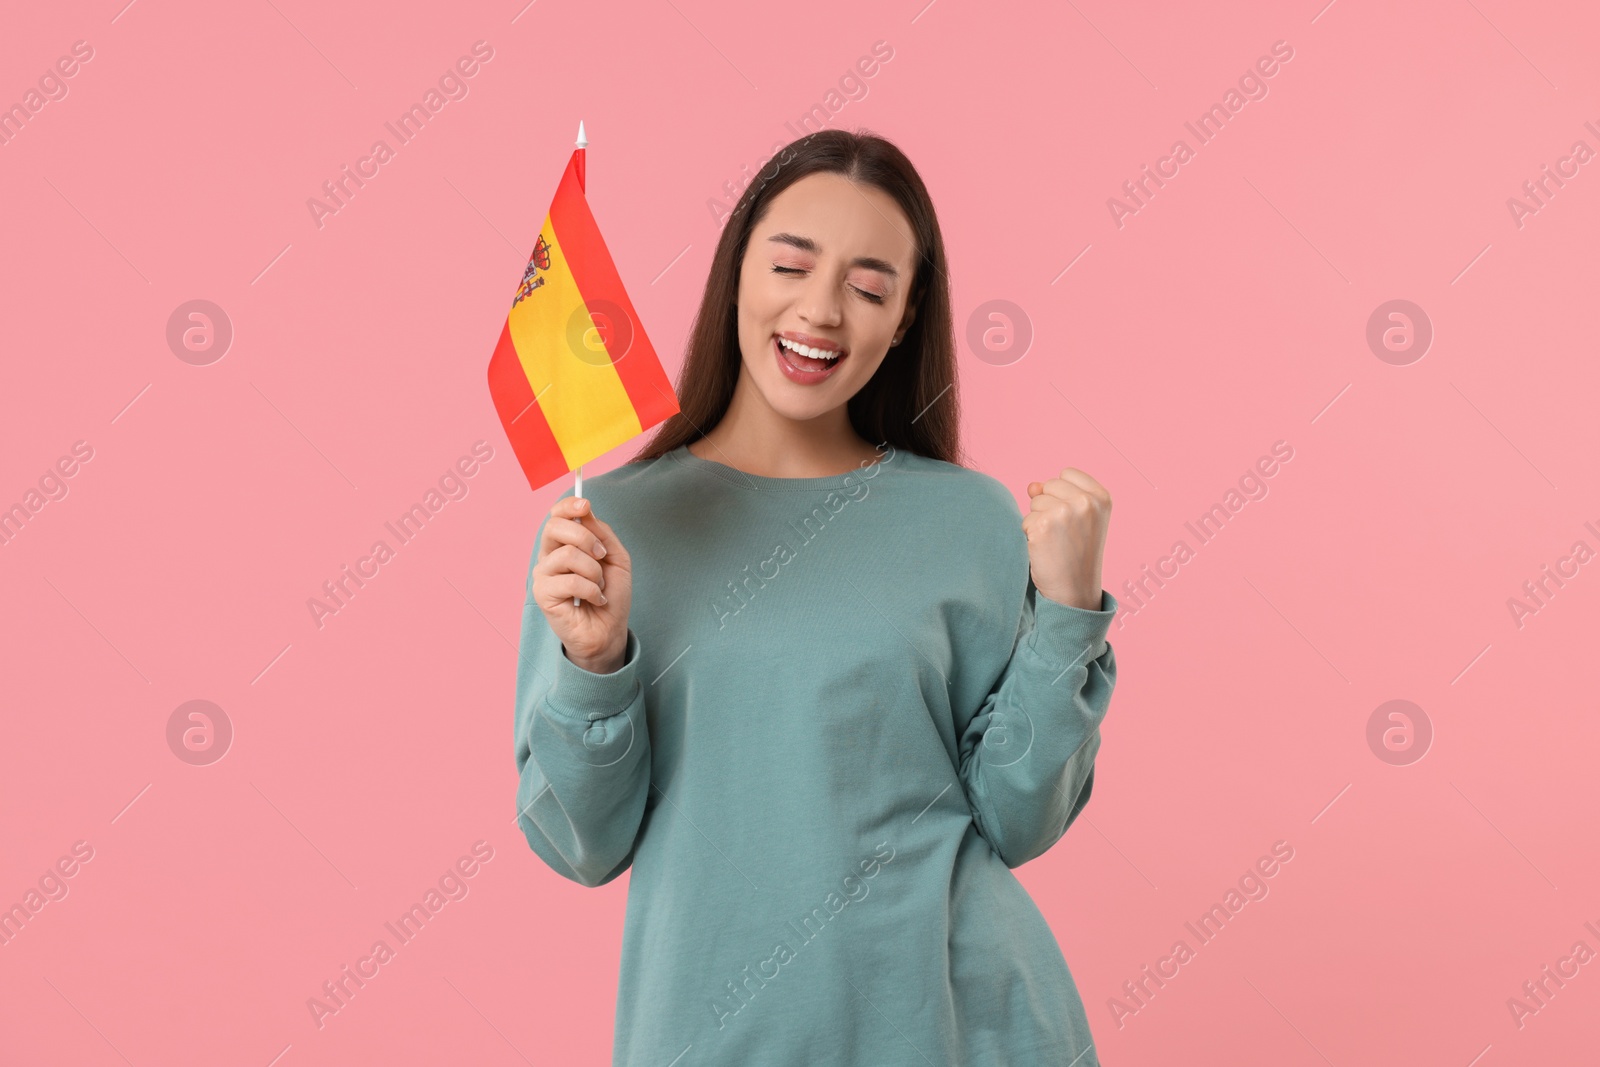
[{"x": 911, "y": 401}]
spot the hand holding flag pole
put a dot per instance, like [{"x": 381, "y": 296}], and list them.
[{"x": 560, "y": 383}]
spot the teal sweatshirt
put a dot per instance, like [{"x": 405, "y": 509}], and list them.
[{"x": 845, "y": 714}]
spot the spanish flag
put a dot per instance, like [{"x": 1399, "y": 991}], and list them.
[{"x": 574, "y": 375}]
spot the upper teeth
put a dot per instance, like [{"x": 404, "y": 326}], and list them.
[{"x": 806, "y": 350}]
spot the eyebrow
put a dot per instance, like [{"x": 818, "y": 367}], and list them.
[{"x": 806, "y": 244}]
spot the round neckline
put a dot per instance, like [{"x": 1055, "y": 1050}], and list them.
[{"x": 763, "y": 482}]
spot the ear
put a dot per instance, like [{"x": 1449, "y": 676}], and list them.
[{"x": 910, "y": 315}]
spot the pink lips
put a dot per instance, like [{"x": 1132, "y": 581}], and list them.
[{"x": 796, "y": 374}]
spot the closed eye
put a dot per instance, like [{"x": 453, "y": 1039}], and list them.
[{"x": 874, "y": 297}]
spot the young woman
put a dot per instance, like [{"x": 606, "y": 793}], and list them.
[{"x": 823, "y": 689}]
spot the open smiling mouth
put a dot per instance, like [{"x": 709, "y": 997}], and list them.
[{"x": 799, "y": 365}]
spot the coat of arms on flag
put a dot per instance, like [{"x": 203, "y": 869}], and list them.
[
  {"x": 574, "y": 374},
  {"x": 540, "y": 260}
]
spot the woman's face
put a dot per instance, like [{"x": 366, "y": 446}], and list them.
[{"x": 830, "y": 266}]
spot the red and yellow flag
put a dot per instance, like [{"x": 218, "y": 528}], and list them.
[{"x": 574, "y": 375}]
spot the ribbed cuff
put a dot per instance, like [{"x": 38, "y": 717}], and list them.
[
  {"x": 580, "y": 694},
  {"x": 1062, "y": 633}
]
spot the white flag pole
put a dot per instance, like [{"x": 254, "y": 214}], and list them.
[{"x": 577, "y": 475}]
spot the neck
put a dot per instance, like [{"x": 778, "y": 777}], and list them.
[{"x": 757, "y": 440}]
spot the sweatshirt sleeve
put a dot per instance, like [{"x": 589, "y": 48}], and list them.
[
  {"x": 582, "y": 751},
  {"x": 1027, "y": 757}
]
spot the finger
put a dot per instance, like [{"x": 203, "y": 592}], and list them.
[
  {"x": 1056, "y": 494},
  {"x": 562, "y": 531},
  {"x": 1073, "y": 492},
  {"x": 570, "y": 559},
  {"x": 615, "y": 553},
  {"x": 576, "y": 508},
  {"x": 1082, "y": 480},
  {"x": 571, "y": 507},
  {"x": 580, "y": 511},
  {"x": 563, "y": 588}
]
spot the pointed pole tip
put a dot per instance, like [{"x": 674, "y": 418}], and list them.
[{"x": 583, "y": 139}]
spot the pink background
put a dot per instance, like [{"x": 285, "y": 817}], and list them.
[{"x": 1228, "y": 314}]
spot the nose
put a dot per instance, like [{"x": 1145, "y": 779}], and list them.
[{"x": 819, "y": 304}]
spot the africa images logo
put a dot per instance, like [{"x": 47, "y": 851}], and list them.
[{"x": 531, "y": 279}]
